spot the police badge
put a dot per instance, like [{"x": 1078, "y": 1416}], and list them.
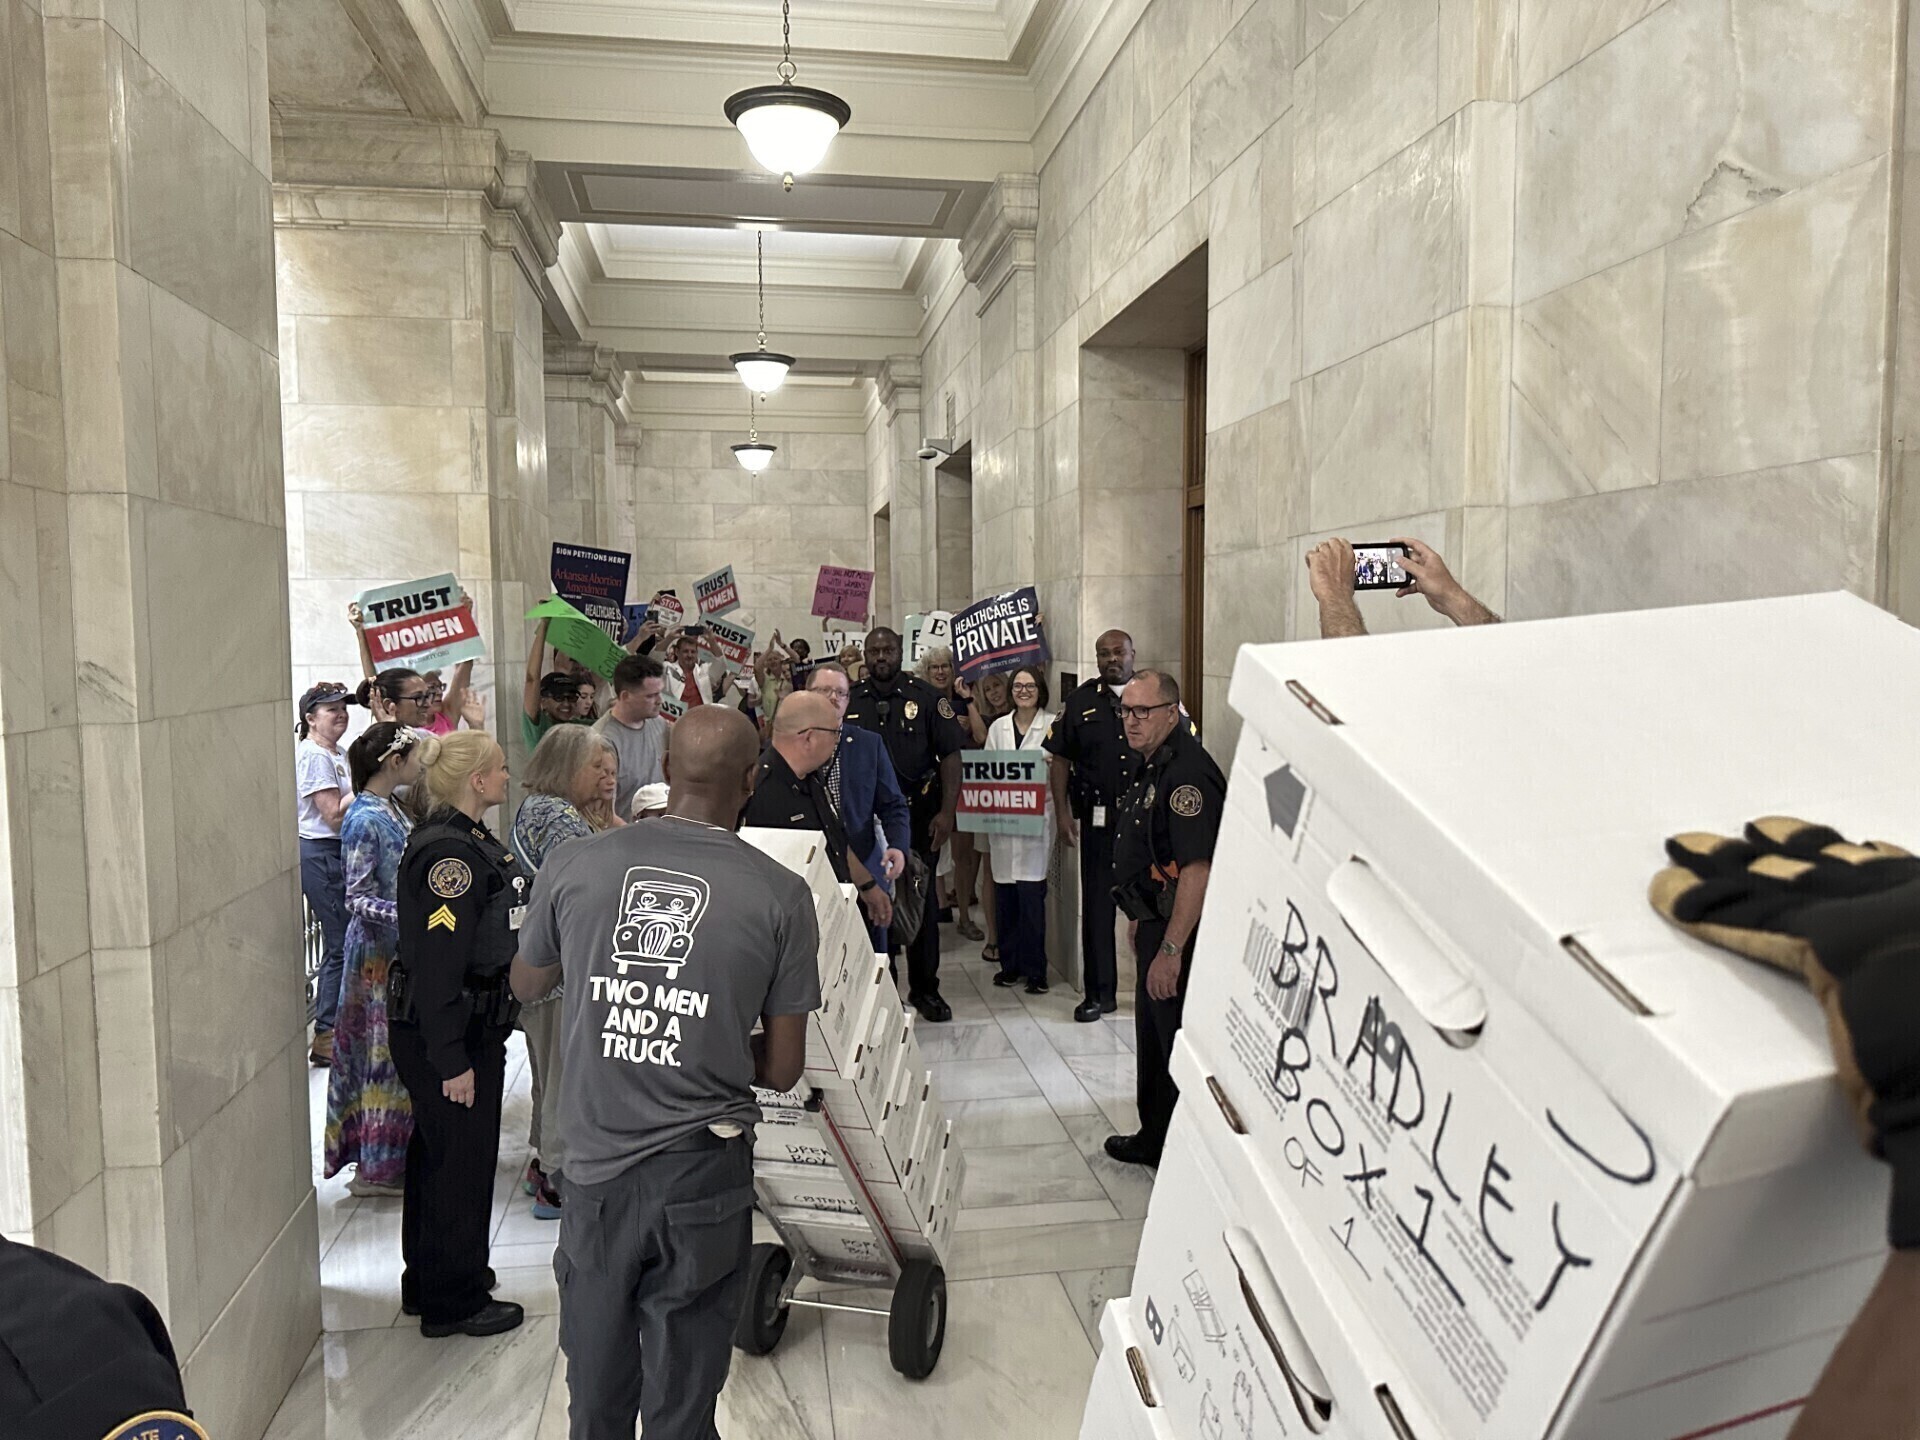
[
  {"x": 911, "y": 710},
  {"x": 945, "y": 707}
]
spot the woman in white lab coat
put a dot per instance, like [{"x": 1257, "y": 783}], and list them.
[{"x": 1020, "y": 861}]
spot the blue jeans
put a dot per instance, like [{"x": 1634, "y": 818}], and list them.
[{"x": 323, "y": 880}]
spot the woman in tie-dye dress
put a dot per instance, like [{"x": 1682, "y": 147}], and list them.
[{"x": 369, "y": 1117}]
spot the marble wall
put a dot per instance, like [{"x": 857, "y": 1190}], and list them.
[
  {"x": 151, "y": 1029},
  {"x": 413, "y": 383},
  {"x": 1592, "y": 298},
  {"x": 695, "y": 510}
]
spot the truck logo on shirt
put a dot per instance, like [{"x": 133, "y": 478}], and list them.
[{"x": 659, "y": 911}]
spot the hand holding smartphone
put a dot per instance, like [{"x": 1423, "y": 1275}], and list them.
[{"x": 1379, "y": 567}]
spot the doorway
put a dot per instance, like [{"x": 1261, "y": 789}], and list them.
[
  {"x": 883, "y": 568},
  {"x": 953, "y": 530},
  {"x": 1193, "y": 543}
]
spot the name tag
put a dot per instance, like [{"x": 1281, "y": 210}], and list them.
[
  {"x": 1099, "y": 817},
  {"x": 516, "y": 917}
]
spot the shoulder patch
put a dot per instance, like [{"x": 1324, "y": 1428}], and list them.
[
  {"x": 158, "y": 1425},
  {"x": 945, "y": 707},
  {"x": 450, "y": 879},
  {"x": 1186, "y": 801}
]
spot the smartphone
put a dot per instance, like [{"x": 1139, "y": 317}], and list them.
[{"x": 1378, "y": 567}]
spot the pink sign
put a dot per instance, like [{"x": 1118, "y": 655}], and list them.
[{"x": 842, "y": 594}]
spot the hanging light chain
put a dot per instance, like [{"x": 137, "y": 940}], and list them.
[
  {"x": 760, "y": 270},
  {"x": 753, "y": 428},
  {"x": 786, "y": 67}
]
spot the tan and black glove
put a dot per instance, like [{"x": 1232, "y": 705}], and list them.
[{"x": 1846, "y": 919}]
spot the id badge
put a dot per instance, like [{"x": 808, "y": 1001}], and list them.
[
  {"x": 1099, "y": 817},
  {"x": 516, "y": 917}
]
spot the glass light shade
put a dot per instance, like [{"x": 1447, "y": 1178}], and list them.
[
  {"x": 756, "y": 455},
  {"x": 762, "y": 371},
  {"x": 788, "y": 127}
]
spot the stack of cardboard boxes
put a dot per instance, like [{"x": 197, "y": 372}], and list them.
[
  {"x": 1471, "y": 1143},
  {"x": 876, "y": 1094}
]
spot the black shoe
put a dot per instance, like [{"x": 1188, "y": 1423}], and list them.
[
  {"x": 407, "y": 1307},
  {"x": 1088, "y": 1011},
  {"x": 1133, "y": 1150},
  {"x": 496, "y": 1317},
  {"x": 1107, "y": 1007},
  {"x": 1036, "y": 987},
  {"x": 933, "y": 1009},
  {"x": 1003, "y": 979}
]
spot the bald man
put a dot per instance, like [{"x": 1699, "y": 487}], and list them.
[
  {"x": 792, "y": 794},
  {"x": 674, "y": 938}
]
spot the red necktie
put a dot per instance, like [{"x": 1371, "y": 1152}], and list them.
[{"x": 690, "y": 692}]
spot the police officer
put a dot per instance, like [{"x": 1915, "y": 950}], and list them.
[
  {"x": 1091, "y": 767},
  {"x": 82, "y": 1358},
  {"x": 924, "y": 741},
  {"x": 1163, "y": 852},
  {"x": 674, "y": 938},
  {"x": 461, "y": 898}
]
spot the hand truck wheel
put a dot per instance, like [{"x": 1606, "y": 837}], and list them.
[
  {"x": 917, "y": 1322},
  {"x": 763, "y": 1315}
]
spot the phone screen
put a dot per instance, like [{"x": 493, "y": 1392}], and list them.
[{"x": 1378, "y": 567}]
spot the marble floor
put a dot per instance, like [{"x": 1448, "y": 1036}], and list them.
[{"x": 1047, "y": 1235}]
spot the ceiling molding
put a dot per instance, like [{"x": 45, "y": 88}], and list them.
[{"x": 699, "y": 260}]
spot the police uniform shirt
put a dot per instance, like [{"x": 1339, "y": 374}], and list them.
[
  {"x": 80, "y": 1357},
  {"x": 1089, "y": 735},
  {"x": 1171, "y": 815},
  {"x": 920, "y": 727},
  {"x": 782, "y": 800},
  {"x": 454, "y": 881}
]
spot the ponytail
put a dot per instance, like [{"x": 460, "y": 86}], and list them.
[{"x": 387, "y": 682}]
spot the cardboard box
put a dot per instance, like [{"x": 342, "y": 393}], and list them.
[
  {"x": 809, "y": 1187},
  {"x": 932, "y": 1133},
  {"x": 1585, "y": 1176},
  {"x": 802, "y": 851},
  {"x": 899, "y": 1123},
  {"x": 784, "y": 1140},
  {"x": 938, "y": 1214},
  {"x": 854, "y": 985},
  {"x": 1122, "y": 1405}
]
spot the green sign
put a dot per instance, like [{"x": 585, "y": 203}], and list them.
[{"x": 572, "y": 633}]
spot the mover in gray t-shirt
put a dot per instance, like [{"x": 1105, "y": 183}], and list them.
[{"x": 674, "y": 937}]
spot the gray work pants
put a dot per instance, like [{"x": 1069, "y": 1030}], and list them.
[{"x": 651, "y": 1265}]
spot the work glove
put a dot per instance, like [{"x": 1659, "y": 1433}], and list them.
[{"x": 1846, "y": 919}]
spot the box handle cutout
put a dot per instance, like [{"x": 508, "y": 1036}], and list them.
[
  {"x": 1401, "y": 1429},
  {"x": 1446, "y": 999},
  {"x": 1609, "y": 982},
  {"x": 1312, "y": 1396},
  {"x": 1307, "y": 698},
  {"x": 1227, "y": 1112},
  {"x": 1137, "y": 1363}
]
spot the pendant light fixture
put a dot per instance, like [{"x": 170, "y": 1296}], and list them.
[
  {"x": 788, "y": 127},
  {"x": 762, "y": 371},
  {"x": 756, "y": 455}
]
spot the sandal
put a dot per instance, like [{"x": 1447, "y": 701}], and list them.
[
  {"x": 970, "y": 931},
  {"x": 991, "y": 954}
]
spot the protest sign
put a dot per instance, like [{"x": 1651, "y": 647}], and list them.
[
  {"x": 718, "y": 593},
  {"x": 1003, "y": 792},
  {"x": 835, "y": 638},
  {"x": 1002, "y": 632},
  {"x": 594, "y": 582},
  {"x": 925, "y": 632},
  {"x": 669, "y": 611},
  {"x": 422, "y": 624},
  {"x": 572, "y": 633},
  {"x": 672, "y": 709},
  {"x": 842, "y": 594},
  {"x": 636, "y": 616},
  {"x": 728, "y": 643}
]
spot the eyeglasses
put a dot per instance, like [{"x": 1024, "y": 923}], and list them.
[
  {"x": 1141, "y": 712},
  {"x": 819, "y": 730},
  {"x": 416, "y": 699},
  {"x": 1029, "y": 689}
]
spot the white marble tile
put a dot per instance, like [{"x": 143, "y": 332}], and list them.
[
  {"x": 1027, "y": 1175},
  {"x": 1024, "y": 1217},
  {"x": 1110, "y": 1080},
  {"x": 980, "y": 1040},
  {"x": 1553, "y": 37},
  {"x": 1774, "y": 332},
  {"x": 1048, "y": 1067},
  {"x": 1129, "y": 1187},
  {"x": 1014, "y": 1364},
  {"x": 1009, "y": 1120},
  {"x": 1088, "y": 1291},
  {"x": 1586, "y": 384},
  {"x": 1243, "y": 87},
  {"x": 1043, "y": 1250},
  {"x": 360, "y": 1273},
  {"x": 1369, "y": 434},
  {"x": 1250, "y": 337},
  {"x": 1373, "y": 92},
  {"x": 982, "y": 1079}
]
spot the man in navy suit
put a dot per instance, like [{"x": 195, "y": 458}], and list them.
[{"x": 861, "y": 780}]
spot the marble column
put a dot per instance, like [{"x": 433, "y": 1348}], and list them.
[
  {"x": 998, "y": 254},
  {"x": 904, "y": 482},
  {"x": 413, "y": 381},
  {"x": 153, "y": 1113},
  {"x": 586, "y": 408}
]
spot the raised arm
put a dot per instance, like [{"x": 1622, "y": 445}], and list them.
[
  {"x": 536, "y": 653},
  {"x": 1432, "y": 579},
  {"x": 359, "y": 624},
  {"x": 454, "y": 704},
  {"x": 1330, "y": 571}
]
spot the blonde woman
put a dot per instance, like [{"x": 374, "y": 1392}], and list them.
[
  {"x": 460, "y": 892},
  {"x": 570, "y": 781}
]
